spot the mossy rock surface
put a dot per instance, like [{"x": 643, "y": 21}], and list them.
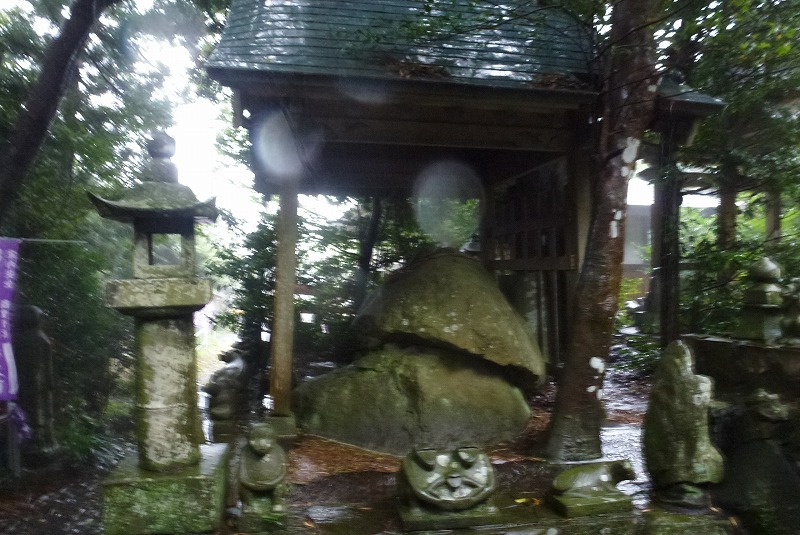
[
  {"x": 449, "y": 300},
  {"x": 395, "y": 400},
  {"x": 677, "y": 445}
]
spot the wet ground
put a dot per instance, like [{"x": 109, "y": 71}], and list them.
[{"x": 338, "y": 489}]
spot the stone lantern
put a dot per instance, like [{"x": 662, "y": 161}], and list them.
[{"x": 176, "y": 484}]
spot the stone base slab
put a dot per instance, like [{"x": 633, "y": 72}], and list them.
[
  {"x": 576, "y": 506},
  {"x": 137, "y": 501},
  {"x": 661, "y": 522},
  {"x": 416, "y": 517},
  {"x": 261, "y": 516}
]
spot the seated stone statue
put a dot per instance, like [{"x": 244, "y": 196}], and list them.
[
  {"x": 263, "y": 464},
  {"x": 34, "y": 353},
  {"x": 262, "y": 470}
]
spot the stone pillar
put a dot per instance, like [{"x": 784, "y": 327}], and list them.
[{"x": 166, "y": 394}]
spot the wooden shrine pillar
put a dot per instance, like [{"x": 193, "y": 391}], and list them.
[
  {"x": 668, "y": 202},
  {"x": 282, "y": 338}
]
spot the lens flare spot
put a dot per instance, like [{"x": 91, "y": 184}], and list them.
[
  {"x": 447, "y": 197},
  {"x": 278, "y": 150}
]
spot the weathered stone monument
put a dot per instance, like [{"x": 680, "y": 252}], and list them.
[
  {"x": 756, "y": 425},
  {"x": 175, "y": 484},
  {"x": 760, "y": 317},
  {"x": 761, "y": 480},
  {"x": 35, "y": 372},
  {"x": 446, "y": 362},
  {"x": 678, "y": 451}
]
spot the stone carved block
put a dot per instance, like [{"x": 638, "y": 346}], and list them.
[{"x": 590, "y": 488}]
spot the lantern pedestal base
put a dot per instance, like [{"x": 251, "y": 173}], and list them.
[{"x": 137, "y": 501}]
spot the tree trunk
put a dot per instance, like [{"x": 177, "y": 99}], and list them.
[
  {"x": 773, "y": 209},
  {"x": 726, "y": 216},
  {"x": 366, "y": 248},
  {"x": 627, "y": 109},
  {"x": 669, "y": 261},
  {"x": 18, "y": 152}
]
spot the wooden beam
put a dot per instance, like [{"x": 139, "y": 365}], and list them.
[
  {"x": 436, "y": 134},
  {"x": 450, "y": 113},
  {"x": 260, "y": 86}
]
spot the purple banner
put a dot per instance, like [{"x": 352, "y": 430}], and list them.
[{"x": 9, "y": 259}]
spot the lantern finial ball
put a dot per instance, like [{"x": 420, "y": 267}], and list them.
[{"x": 161, "y": 145}]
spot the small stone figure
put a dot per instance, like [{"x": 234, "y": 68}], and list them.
[
  {"x": 225, "y": 389},
  {"x": 449, "y": 480},
  {"x": 591, "y": 488},
  {"x": 35, "y": 370},
  {"x": 677, "y": 448},
  {"x": 262, "y": 470},
  {"x": 447, "y": 489}
]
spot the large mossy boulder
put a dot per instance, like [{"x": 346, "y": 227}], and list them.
[
  {"x": 394, "y": 400},
  {"x": 449, "y": 300}
]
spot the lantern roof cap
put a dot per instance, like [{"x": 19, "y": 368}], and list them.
[
  {"x": 159, "y": 195},
  {"x": 154, "y": 200}
]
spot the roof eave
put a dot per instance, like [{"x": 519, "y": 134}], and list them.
[{"x": 286, "y": 84}]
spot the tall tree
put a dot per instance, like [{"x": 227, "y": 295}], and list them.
[
  {"x": 20, "y": 148},
  {"x": 107, "y": 103},
  {"x": 627, "y": 105},
  {"x": 745, "y": 52}
]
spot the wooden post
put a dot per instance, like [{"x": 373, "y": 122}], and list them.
[
  {"x": 669, "y": 268},
  {"x": 282, "y": 340}
]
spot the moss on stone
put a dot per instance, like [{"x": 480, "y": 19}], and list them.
[{"x": 137, "y": 501}]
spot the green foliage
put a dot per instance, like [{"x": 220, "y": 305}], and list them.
[
  {"x": 630, "y": 289},
  {"x": 66, "y": 281},
  {"x": 714, "y": 279},
  {"x": 328, "y": 266},
  {"x": 637, "y": 353},
  {"x": 744, "y": 51},
  {"x": 114, "y": 100},
  {"x": 333, "y": 266},
  {"x": 250, "y": 268}
]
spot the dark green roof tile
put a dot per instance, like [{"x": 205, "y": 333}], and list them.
[{"x": 481, "y": 43}]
